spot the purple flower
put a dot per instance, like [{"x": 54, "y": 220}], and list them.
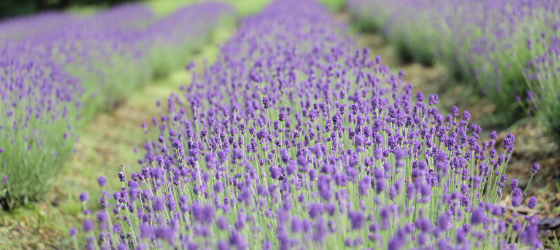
[
  {"x": 398, "y": 240},
  {"x": 364, "y": 185},
  {"x": 121, "y": 176},
  {"x": 493, "y": 135},
  {"x": 165, "y": 233},
  {"x": 222, "y": 223},
  {"x": 516, "y": 197},
  {"x": 475, "y": 181},
  {"x": 303, "y": 164},
  {"x": 203, "y": 214},
  {"x": 117, "y": 228},
  {"x": 357, "y": 219},
  {"x": 222, "y": 156},
  {"x": 433, "y": 99},
  {"x": 514, "y": 183},
  {"x": 423, "y": 224},
  {"x": 274, "y": 172},
  {"x": 291, "y": 168},
  {"x": 84, "y": 197},
  {"x": 146, "y": 231},
  {"x": 72, "y": 232},
  {"x": 102, "y": 181},
  {"x": 455, "y": 111},
  {"x": 478, "y": 216},
  {"x": 266, "y": 102},
  {"x": 237, "y": 240},
  {"x": 466, "y": 116},
  {"x": 315, "y": 209},
  {"x": 536, "y": 167},
  {"x": 101, "y": 216},
  {"x": 238, "y": 153},
  {"x": 87, "y": 225},
  {"x": 191, "y": 65},
  {"x": 532, "y": 202}
]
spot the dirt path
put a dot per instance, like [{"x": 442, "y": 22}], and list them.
[{"x": 104, "y": 145}]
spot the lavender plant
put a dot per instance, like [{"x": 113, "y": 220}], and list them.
[
  {"x": 53, "y": 81},
  {"x": 484, "y": 41},
  {"x": 295, "y": 138},
  {"x": 543, "y": 77}
]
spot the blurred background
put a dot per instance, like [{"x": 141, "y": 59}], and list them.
[{"x": 13, "y": 8}]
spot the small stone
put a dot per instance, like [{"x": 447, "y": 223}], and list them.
[{"x": 550, "y": 223}]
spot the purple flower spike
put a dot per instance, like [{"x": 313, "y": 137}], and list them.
[
  {"x": 536, "y": 167},
  {"x": 88, "y": 225},
  {"x": 516, "y": 197},
  {"x": 102, "y": 181},
  {"x": 72, "y": 232},
  {"x": 532, "y": 202},
  {"x": 84, "y": 197}
]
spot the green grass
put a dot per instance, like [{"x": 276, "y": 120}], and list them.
[
  {"x": 334, "y": 5},
  {"x": 247, "y": 7},
  {"x": 165, "y": 7},
  {"x": 87, "y": 10},
  {"x": 243, "y": 7}
]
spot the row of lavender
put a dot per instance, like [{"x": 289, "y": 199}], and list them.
[
  {"x": 510, "y": 48},
  {"x": 57, "y": 71},
  {"x": 296, "y": 139}
]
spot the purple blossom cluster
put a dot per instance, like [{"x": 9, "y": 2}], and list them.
[
  {"x": 57, "y": 71},
  {"x": 484, "y": 40},
  {"x": 297, "y": 139}
]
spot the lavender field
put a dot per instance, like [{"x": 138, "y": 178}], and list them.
[{"x": 282, "y": 124}]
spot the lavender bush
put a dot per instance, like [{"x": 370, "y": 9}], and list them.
[
  {"x": 489, "y": 42},
  {"x": 54, "y": 80},
  {"x": 543, "y": 75},
  {"x": 295, "y": 138},
  {"x": 19, "y": 27}
]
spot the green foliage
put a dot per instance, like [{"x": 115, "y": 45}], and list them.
[
  {"x": 165, "y": 7},
  {"x": 247, "y": 7},
  {"x": 31, "y": 170},
  {"x": 366, "y": 21},
  {"x": 554, "y": 243},
  {"x": 543, "y": 81},
  {"x": 334, "y": 5}
]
